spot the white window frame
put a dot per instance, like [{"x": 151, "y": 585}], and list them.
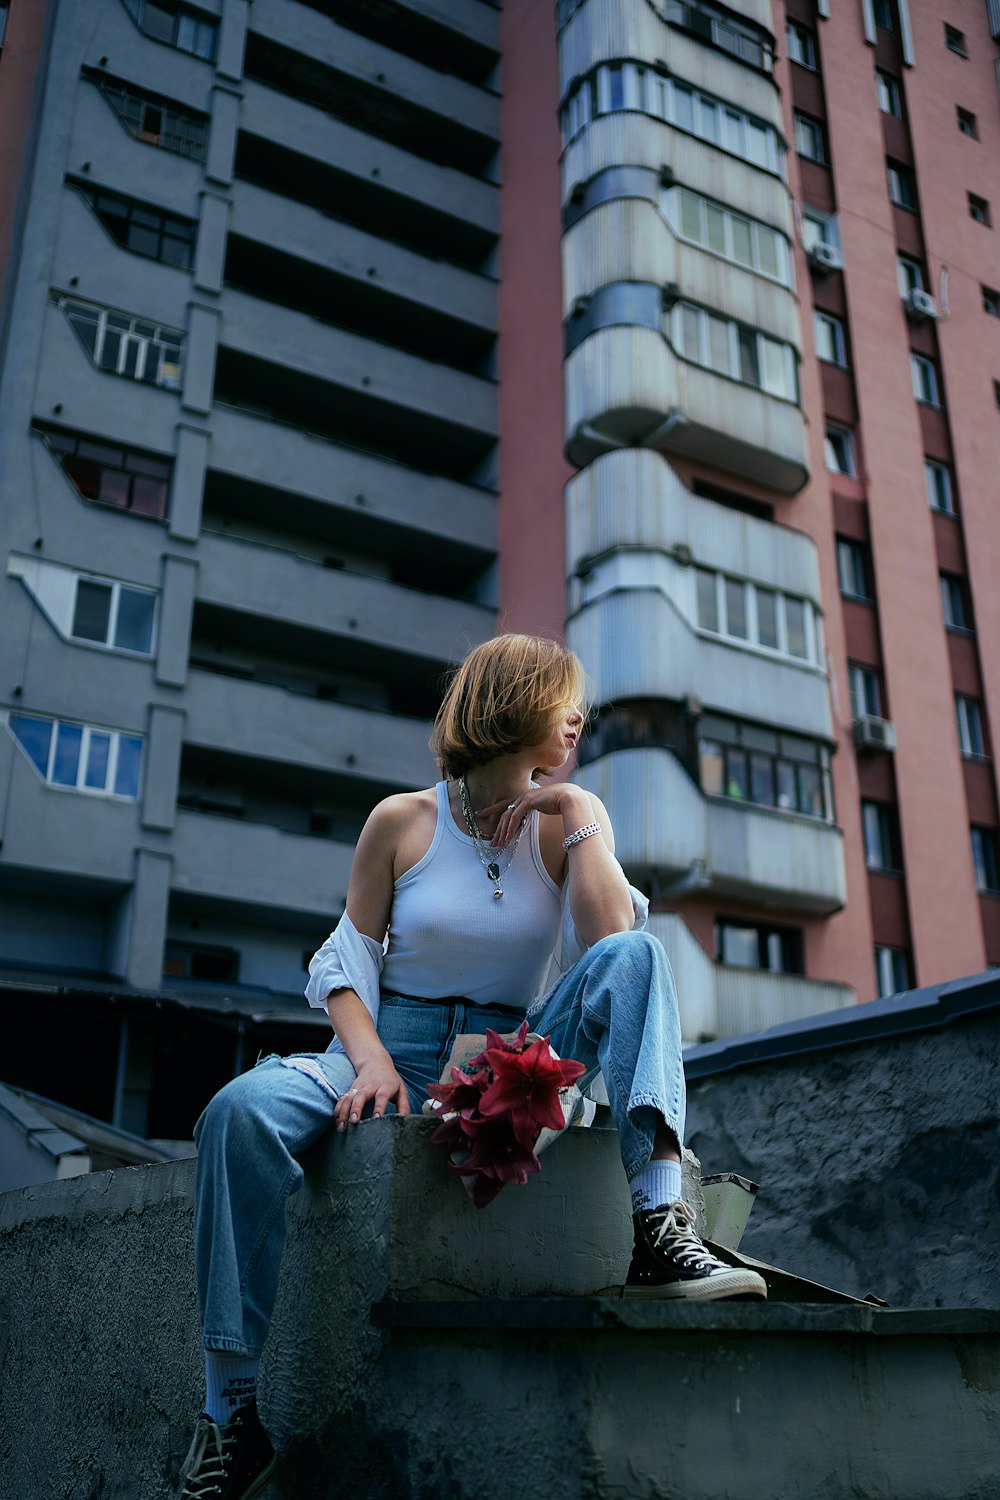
[
  {"x": 838, "y": 337},
  {"x": 950, "y": 587},
  {"x": 672, "y": 202},
  {"x": 786, "y": 351},
  {"x": 88, "y": 731},
  {"x": 164, "y": 339},
  {"x": 933, "y": 470},
  {"x": 970, "y": 726},
  {"x": 809, "y": 131},
  {"x": 895, "y": 178},
  {"x": 887, "y": 93},
  {"x": 909, "y": 275},
  {"x": 800, "y": 44},
  {"x": 846, "y": 436},
  {"x": 116, "y": 592},
  {"x": 848, "y": 547},
  {"x": 859, "y": 679},
  {"x": 884, "y": 957},
  {"x": 925, "y": 382},
  {"x": 828, "y": 230},
  {"x": 752, "y": 638}
]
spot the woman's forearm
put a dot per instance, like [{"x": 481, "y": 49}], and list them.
[
  {"x": 352, "y": 1022},
  {"x": 599, "y": 896}
]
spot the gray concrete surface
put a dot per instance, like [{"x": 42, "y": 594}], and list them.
[{"x": 879, "y": 1162}]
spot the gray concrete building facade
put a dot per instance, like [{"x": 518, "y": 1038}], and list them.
[{"x": 247, "y": 468}]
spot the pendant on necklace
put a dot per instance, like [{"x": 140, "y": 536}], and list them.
[
  {"x": 493, "y": 870},
  {"x": 497, "y": 893}
]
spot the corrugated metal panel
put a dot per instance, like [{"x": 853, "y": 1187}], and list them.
[
  {"x": 634, "y": 497},
  {"x": 753, "y": 1000},
  {"x": 906, "y": 33},
  {"x": 675, "y": 661},
  {"x": 663, "y": 822},
  {"x": 630, "y": 240},
  {"x": 616, "y": 30},
  {"x": 694, "y": 976},
  {"x": 630, "y": 139},
  {"x": 868, "y": 20},
  {"x": 632, "y": 377},
  {"x": 993, "y": 13}
]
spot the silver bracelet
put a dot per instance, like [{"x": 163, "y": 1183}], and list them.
[{"x": 586, "y": 832}]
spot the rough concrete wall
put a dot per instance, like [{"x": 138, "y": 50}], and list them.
[{"x": 879, "y": 1163}]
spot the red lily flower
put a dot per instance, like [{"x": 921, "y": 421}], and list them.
[
  {"x": 497, "y": 1154},
  {"x": 526, "y": 1086},
  {"x": 462, "y": 1092},
  {"x": 496, "y": 1043}
]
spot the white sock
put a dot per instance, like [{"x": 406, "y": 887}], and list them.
[
  {"x": 655, "y": 1184},
  {"x": 230, "y": 1382}
]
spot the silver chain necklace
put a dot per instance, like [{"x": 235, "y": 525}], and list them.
[{"x": 490, "y": 864}]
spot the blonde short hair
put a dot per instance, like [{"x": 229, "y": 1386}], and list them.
[{"x": 507, "y": 694}]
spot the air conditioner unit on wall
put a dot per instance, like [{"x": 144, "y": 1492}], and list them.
[
  {"x": 920, "y": 305},
  {"x": 825, "y": 257},
  {"x": 873, "y": 733}
]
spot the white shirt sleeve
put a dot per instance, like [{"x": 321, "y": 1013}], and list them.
[{"x": 349, "y": 959}]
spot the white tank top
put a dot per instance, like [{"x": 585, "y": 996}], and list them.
[{"x": 448, "y": 935}]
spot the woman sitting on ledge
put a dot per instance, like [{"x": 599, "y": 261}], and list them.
[{"x": 481, "y": 882}]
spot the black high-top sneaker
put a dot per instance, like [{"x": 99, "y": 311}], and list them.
[
  {"x": 232, "y": 1462},
  {"x": 669, "y": 1260}
]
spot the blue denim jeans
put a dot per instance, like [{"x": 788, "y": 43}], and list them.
[{"x": 615, "y": 1011}]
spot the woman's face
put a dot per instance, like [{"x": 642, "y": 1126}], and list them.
[{"x": 562, "y": 739}]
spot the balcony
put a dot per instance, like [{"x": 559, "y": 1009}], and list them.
[
  {"x": 75, "y": 834},
  {"x": 297, "y": 470},
  {"x": 610, "y": 30},
  {"x": 252, "y": 865},
  {"x": 629, "y": 240},
  {"x": 227, "y": 714},
  {"x": 664, "y": 824},
  {"x": 717, "y": 1000},
  {"x": 626, "y": 386},
  {"x": 285, "y": 591},
  {"x": 320, "y": 352}
]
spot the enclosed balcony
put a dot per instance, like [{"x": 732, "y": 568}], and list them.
[
  {"x": 253, "y": 865},
  {"x": 665, "y": 825}
]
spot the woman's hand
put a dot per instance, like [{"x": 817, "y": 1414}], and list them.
[
  {"x": 376, "y": 1080},
  {"x": 558, "y": 797}
]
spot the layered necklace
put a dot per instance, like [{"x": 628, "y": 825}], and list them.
[{"x": 489, "y": 861}]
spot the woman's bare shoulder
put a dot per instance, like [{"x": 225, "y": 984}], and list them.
[{"x": 401, "y": 810}]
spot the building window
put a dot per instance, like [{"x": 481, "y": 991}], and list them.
[
  {"x": 809, "y": 139},
  {"x": 746, "y": 763},
  {"x": 838, "y": 450},
  {"x": 819, "y": 228},
  {"x": 80, "y": 757},
  {"x": 124, "y": 345},
  {"x": 202, "y": 961},
  {"x": 633, "y": 86},
  {"x": 892, "y": 968},
  {"x": 734, "y": 350},
  {"x": 953, "y": 602},
  {"x": 154, "y": 120},
  {"x": 759, "y": 616},
  {"x": 801, "y": 44},
  {"x": 884, "y": 17},
  {"x": 970, "y": 725},
  {"x": 967, "y": 123},
  {"x": 954, "y": 40},
  {"x": 831, "y": 343},
  {"x": 887, "y": 93},
  {"x": 112, "y": 614},
  {"x": 979, "y": 210},
  {"x": 852, "y": 569},
  {"x": 939, "y": 489},
  {"x": 910, "y": 275},
  {"x": 107, "y": 474},
  {"x": 991, "y": 302},
  {"x": 996, "y": 392},
  {"x": 142, "y": 229},
  {"x": 745, "y": 242},
  {"x": 747, "y": 945},
  {"x": 866, "y": 691},
  {"x": 984, "y": 859},
  {"x": 902, "y": 186},
  {"x": 925, "y": 382},
  {"x": 3, "y": 19},
  {"x": 180, "y": 26},
  {"x": 878, "y": 822}
]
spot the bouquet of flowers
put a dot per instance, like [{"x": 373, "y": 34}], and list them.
[{"x": 498, "y": 1111}]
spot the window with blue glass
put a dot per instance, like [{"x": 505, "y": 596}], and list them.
[{"x": 80, "y": 757}]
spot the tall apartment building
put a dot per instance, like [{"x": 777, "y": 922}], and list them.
[
  {"x": 247, "y": 461},
  {"x": 782, "y": 381},
  {"x": 266, "y": 469}
]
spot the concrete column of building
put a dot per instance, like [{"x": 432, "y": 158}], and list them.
[
  {"x": 188, "y": 481},
  {"x": 176, "y": 606},
  {"x": 134, "y": 1073},
  {"x": 137, "y": 924},
  {"x": 162, "y": 766},
  {"x": 199, "y": 357},
  {"x": 232, "y": 38}
]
